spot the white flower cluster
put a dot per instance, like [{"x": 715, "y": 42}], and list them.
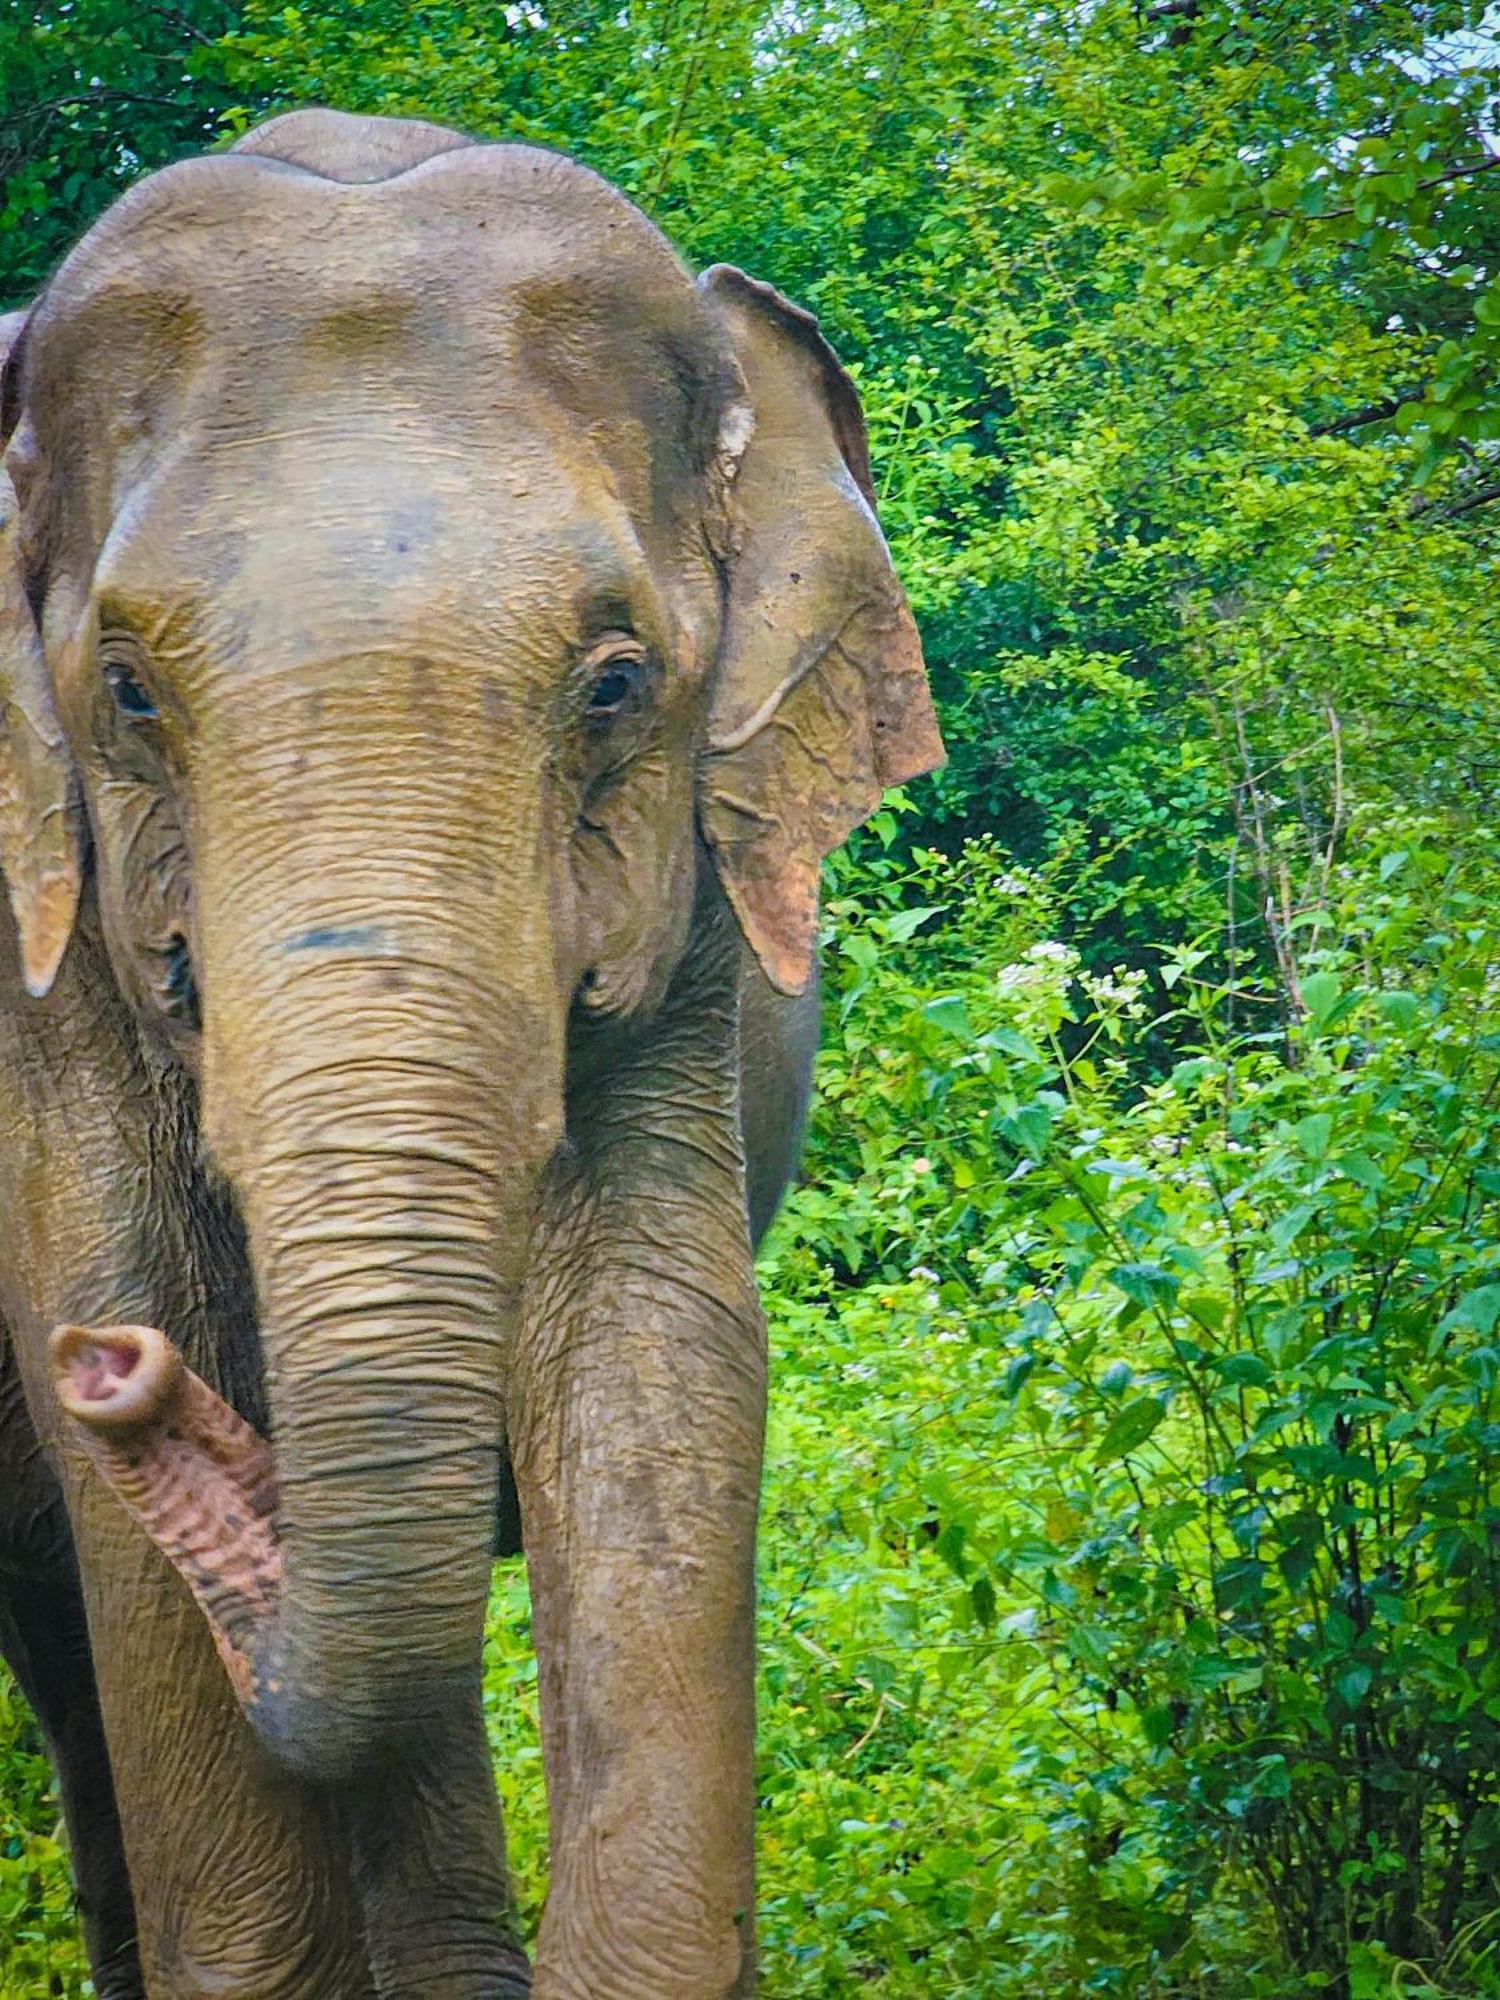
[
  {"x": 1040, "y": 967},
  {"x": 1119, "y": 987}
]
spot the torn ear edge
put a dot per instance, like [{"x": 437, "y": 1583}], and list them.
[
  {"x": 41, "y": 828},
  {"x": 775, "y": 801},
  {"x": 822, "y": 702},
  {"x": 841, "y": 399}
]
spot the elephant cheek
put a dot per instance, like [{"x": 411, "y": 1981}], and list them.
[{"x": 635, "y": 898}]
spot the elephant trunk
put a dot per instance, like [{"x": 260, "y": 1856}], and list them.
[
  {"x": 383, "y": 1098},
  {"x": 374, "y": 1211},
  {"x": 382, "y": 1084}
]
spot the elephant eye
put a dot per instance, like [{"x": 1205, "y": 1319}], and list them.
[
  {"x": 127, "y": 693},
  {"x": 611, "y": 691},
  {"x": 618, "y": 685}
]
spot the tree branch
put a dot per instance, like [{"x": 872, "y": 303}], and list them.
[
  {"x": 1447, "y": 510},
  {"x": 1372, "y": 413},
  {"x": 84, "y": 100},
  {"x": 1470, "y": 167}
]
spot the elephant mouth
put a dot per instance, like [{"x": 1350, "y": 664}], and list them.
[{"x": 179, "y": 984}]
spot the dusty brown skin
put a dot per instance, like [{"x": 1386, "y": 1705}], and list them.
[{"x": 438, "y": 642}]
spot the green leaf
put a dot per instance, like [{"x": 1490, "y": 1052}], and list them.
[
  {"x": 1245, "y": 1368},
  {"x": 1017, "y": 1373},
  {"x": 1321, "y": 993},
  {"x": 1129, "y": 1429},
  {"x": 1031, "y": 1125},
  {"x": 1353, "y": 1684},
  {"x": 950, "y": 1545},
  {"x": 1238, "y": 1585},
  {"x": 1314, "y": 1133},
  {"x": 1147, "y": 1283},
  {"x": 950, "y": 1013},
  {"x": 905, "y": 923},
  {"x": 1009, "y": 1043},
  {"x": 1476, "y": 1311}
]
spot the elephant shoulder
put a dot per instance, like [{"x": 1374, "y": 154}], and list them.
[{"x": 778, "y": 1041}]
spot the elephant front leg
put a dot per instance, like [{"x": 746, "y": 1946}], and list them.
[
  {"x": 638, "y": 1420},
  {"x": 44, "y": 1640},
  {"x": 241, "y": 1889},
  {"x": 429, "y": 1859}
]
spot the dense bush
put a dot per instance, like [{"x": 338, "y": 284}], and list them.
[
  {"x": 1131, "y": 1573},
  {"x": 1208, "y": 1460}
]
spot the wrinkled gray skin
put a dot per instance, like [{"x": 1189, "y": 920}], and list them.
[{"x": 457, "y": 638}]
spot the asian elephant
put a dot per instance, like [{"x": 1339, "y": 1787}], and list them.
[{"x": 438, "y": 642}]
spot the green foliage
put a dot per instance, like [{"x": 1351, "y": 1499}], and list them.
[
  {"x": 94, "y": 91},
  {"x": 1214, "y": 1453},
  {"x": 1131, "y": 1568}
]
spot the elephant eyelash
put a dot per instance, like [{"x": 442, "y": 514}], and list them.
[{"x": 177, "y": 986}]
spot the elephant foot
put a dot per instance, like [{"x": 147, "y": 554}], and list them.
[{"x": 193, "y": 1473}]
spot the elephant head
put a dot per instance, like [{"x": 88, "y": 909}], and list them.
[{"x": 425, "y": 607}]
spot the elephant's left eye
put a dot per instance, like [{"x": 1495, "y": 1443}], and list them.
[
  {"x": 127, "y": 692},
  {"x": 618, "y": 684}
]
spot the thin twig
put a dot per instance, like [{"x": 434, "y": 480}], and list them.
[
  {"x": 1447, "y": 510},
  {"x": 1464, "y": 172},
  {"x": 1372, "y": 413},
  {"x": 689, "y": 90}
]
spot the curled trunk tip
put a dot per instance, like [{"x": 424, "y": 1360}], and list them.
[
  {"x": 116, "y": 1379},
  {"x": 189, "y": 1470}
]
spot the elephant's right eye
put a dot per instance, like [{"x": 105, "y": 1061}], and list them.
[{"x": 127, "y": 693}]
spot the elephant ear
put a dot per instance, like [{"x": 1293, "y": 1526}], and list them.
[
  {"x": 820, "y": 700},
  {"x": 41, "y": 852}
]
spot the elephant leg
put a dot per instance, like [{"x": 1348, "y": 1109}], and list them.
[
  {"x": 778, "y": 1045},
  {"x": 241, "y": 1884},
  {"x": 240, "y": 1880},
  {"x": 45, "y": 1641},
  {"x": 637, "y": 1406},
  {"x": 44, "y": 1638},
  {"x": 429, "y": 1860}
]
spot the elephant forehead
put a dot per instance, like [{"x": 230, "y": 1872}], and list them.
[
  {"x": 468, "y": 280},
  {"x": 495, "y": 302},
  {"x": 281, "y": 549}
]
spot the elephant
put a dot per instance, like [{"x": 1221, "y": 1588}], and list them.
[{"x": 440, "y": 640}]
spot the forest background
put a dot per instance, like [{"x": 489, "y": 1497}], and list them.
[{"x": 1131, "y": 1566}]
